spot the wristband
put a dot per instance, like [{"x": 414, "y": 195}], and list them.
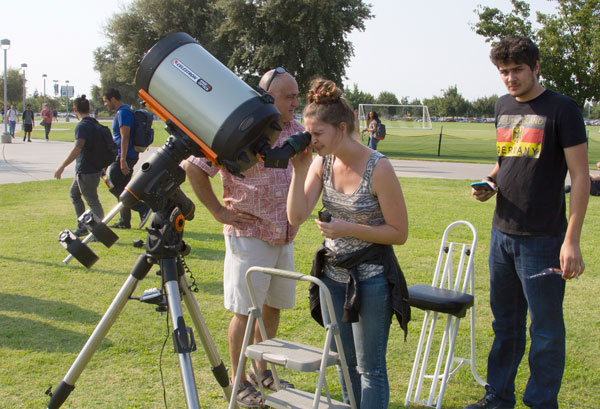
[{"x": 490, "y": 179}]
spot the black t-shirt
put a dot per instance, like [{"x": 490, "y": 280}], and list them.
[
  {"x": 85, "y": 130},
  {"x": 530, "y": 138}
]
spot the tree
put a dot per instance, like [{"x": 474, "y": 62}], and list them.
[
  {"x": 144, "y": 22},
  {"x": 569, "y": 43},
  {"x": 308, "y": 37},
  {"x": 485, "y": 106},
  {"x": 356, "y": 97},
  {"x": 14, "y": 86},
  {"x": 453, "y": 103},
  {"x": 387, "y": 98}
]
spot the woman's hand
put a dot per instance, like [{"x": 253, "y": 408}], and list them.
[
  {"x": 336, "y": 228},
  {"x": 302, "y": 161}
]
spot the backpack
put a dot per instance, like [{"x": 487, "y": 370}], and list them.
[
  {"x": 104, "y": 150},
  {"x": 380, "y": 131},
  {"x": 142, "y": 134}
]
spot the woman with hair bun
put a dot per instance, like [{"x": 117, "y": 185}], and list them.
[{"x": 356, "y": 260}]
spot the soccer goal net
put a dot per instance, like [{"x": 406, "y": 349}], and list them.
[{"x": 397, "y": 116}]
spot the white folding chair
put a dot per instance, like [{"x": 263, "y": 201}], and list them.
[{"x": 450, "y": 293}]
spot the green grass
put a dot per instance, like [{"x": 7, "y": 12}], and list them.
[
  {"x": 461, "y": 142},
  {"x": 48, "y": 309}
]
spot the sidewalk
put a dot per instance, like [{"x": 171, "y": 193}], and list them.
[{"x": 37, "y": 160}]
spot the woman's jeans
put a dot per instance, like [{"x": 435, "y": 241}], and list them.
[
  {"x": 11, "y": 127},
  {"x": 513, "y": 292},
  {"x": 373, "y": 143},
  {"x": 365, "y": 341}
]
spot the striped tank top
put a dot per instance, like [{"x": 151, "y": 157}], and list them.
[{"x": 361, "y": 207}]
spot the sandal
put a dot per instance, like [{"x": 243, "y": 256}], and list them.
[
  {"x": 269, "y": 382},
  {"x": 248, "y": 396}
]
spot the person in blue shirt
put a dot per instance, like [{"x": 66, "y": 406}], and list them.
[{"x": 121, "y": 169}]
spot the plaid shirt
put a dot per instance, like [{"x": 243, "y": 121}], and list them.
[{"x": 262, "y": 193}]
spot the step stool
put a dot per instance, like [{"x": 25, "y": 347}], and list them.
[{"x": 293, "y": 355}]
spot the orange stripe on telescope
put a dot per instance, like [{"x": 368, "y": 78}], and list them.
[{"x": 163, "y": 114}]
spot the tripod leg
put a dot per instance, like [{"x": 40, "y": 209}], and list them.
[
  {"x": 217, "y": 366},
  {"x": 66, "y": 386},
  {"x": 180, "y": 332}
]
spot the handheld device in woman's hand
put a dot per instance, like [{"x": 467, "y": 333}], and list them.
[
  {"x": 324, "y": 215},
  {"x": 482, "y": 186}
]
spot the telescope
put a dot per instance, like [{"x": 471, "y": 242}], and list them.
[{"x": 210, "y": 112}]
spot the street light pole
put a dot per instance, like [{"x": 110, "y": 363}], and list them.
[
  {"x": 5, "y": 44},
  {"x": 67, "y": 102},
  {"x": 24, "y": 67},
  {"x": 44, "y": 77}
]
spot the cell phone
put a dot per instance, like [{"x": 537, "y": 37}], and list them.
[
  {"x": 324, "y": 215},
  {"x": 482, "y": 186}
]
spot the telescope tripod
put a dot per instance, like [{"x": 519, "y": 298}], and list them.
[{"x": 164, "y": 246}]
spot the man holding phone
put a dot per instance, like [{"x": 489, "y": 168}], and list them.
[{"x": 540, "y": 135}]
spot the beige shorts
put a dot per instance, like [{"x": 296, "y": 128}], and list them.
[{"x": 245, "y": 252}]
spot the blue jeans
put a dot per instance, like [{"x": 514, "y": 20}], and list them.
[
  {"x": 47, "y": 126},
  {"x": 513, "y": 260},
  {"x": 365, "y": 341},
  {"x": 86, "y": 185},
  {"x": 11, "y": 127},
  {"x": 373, "y": 143}
]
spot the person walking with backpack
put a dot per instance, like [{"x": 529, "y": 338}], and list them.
[
  {"x": 28, "y": 123},
  {"x": 121, "y": 169},
  {"x": 372, "y": 122},
  {"x": 12, "y": 120},
  {"x": 87, "y": 174}
]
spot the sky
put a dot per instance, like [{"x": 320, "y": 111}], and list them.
[{"x": 411, "y": 48}]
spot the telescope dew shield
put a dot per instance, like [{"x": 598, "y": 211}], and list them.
[{"x": 220, "y": 109}]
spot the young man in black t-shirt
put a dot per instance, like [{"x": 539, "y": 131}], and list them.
[
  {"x": 540, "y": 135},
  {"x": 87, "y": 175}
]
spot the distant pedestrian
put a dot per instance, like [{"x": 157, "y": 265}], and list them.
[
  {"x": 46, "y": 120},
  {"x": 55, "y": 115},
  {"x": 28, "y": 123},
  {"x": 372, "y": 122},
  {"x": 87, "y": 176},
  {"x": 12, "y": 120}
]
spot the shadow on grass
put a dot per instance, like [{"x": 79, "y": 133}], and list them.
[
  {"x": 16, "y": 335},
  {"x": 55, "y": 310},
  {"x": 73, "y": 264}
]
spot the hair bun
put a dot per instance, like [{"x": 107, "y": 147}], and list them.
[{"x": 324, "y": 92}]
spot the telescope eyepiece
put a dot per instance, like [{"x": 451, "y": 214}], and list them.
[{"x": 279, "y": 157}]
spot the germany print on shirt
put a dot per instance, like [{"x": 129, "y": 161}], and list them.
[{"x": 520, "y": 135}]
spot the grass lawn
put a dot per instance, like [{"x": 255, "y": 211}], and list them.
[
  {"x": 48, "y": 309},
  {"x": 461, "y": 142}
]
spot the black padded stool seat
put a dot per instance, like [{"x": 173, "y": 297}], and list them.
[{"x": 441, "y": 300}]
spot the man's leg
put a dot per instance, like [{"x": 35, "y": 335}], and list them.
[
  {"x": 88, "y": 184},
  {"x": 545, "y": 298},
  {"x": 75, "y": 195},
  {"x": 509, "y": 309},
  {"x": 235, "y": 335},
  {"x": 119, "y": 181},
  {"x": 78, "y": 205},
  {"x": 270, "y": 318}
]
